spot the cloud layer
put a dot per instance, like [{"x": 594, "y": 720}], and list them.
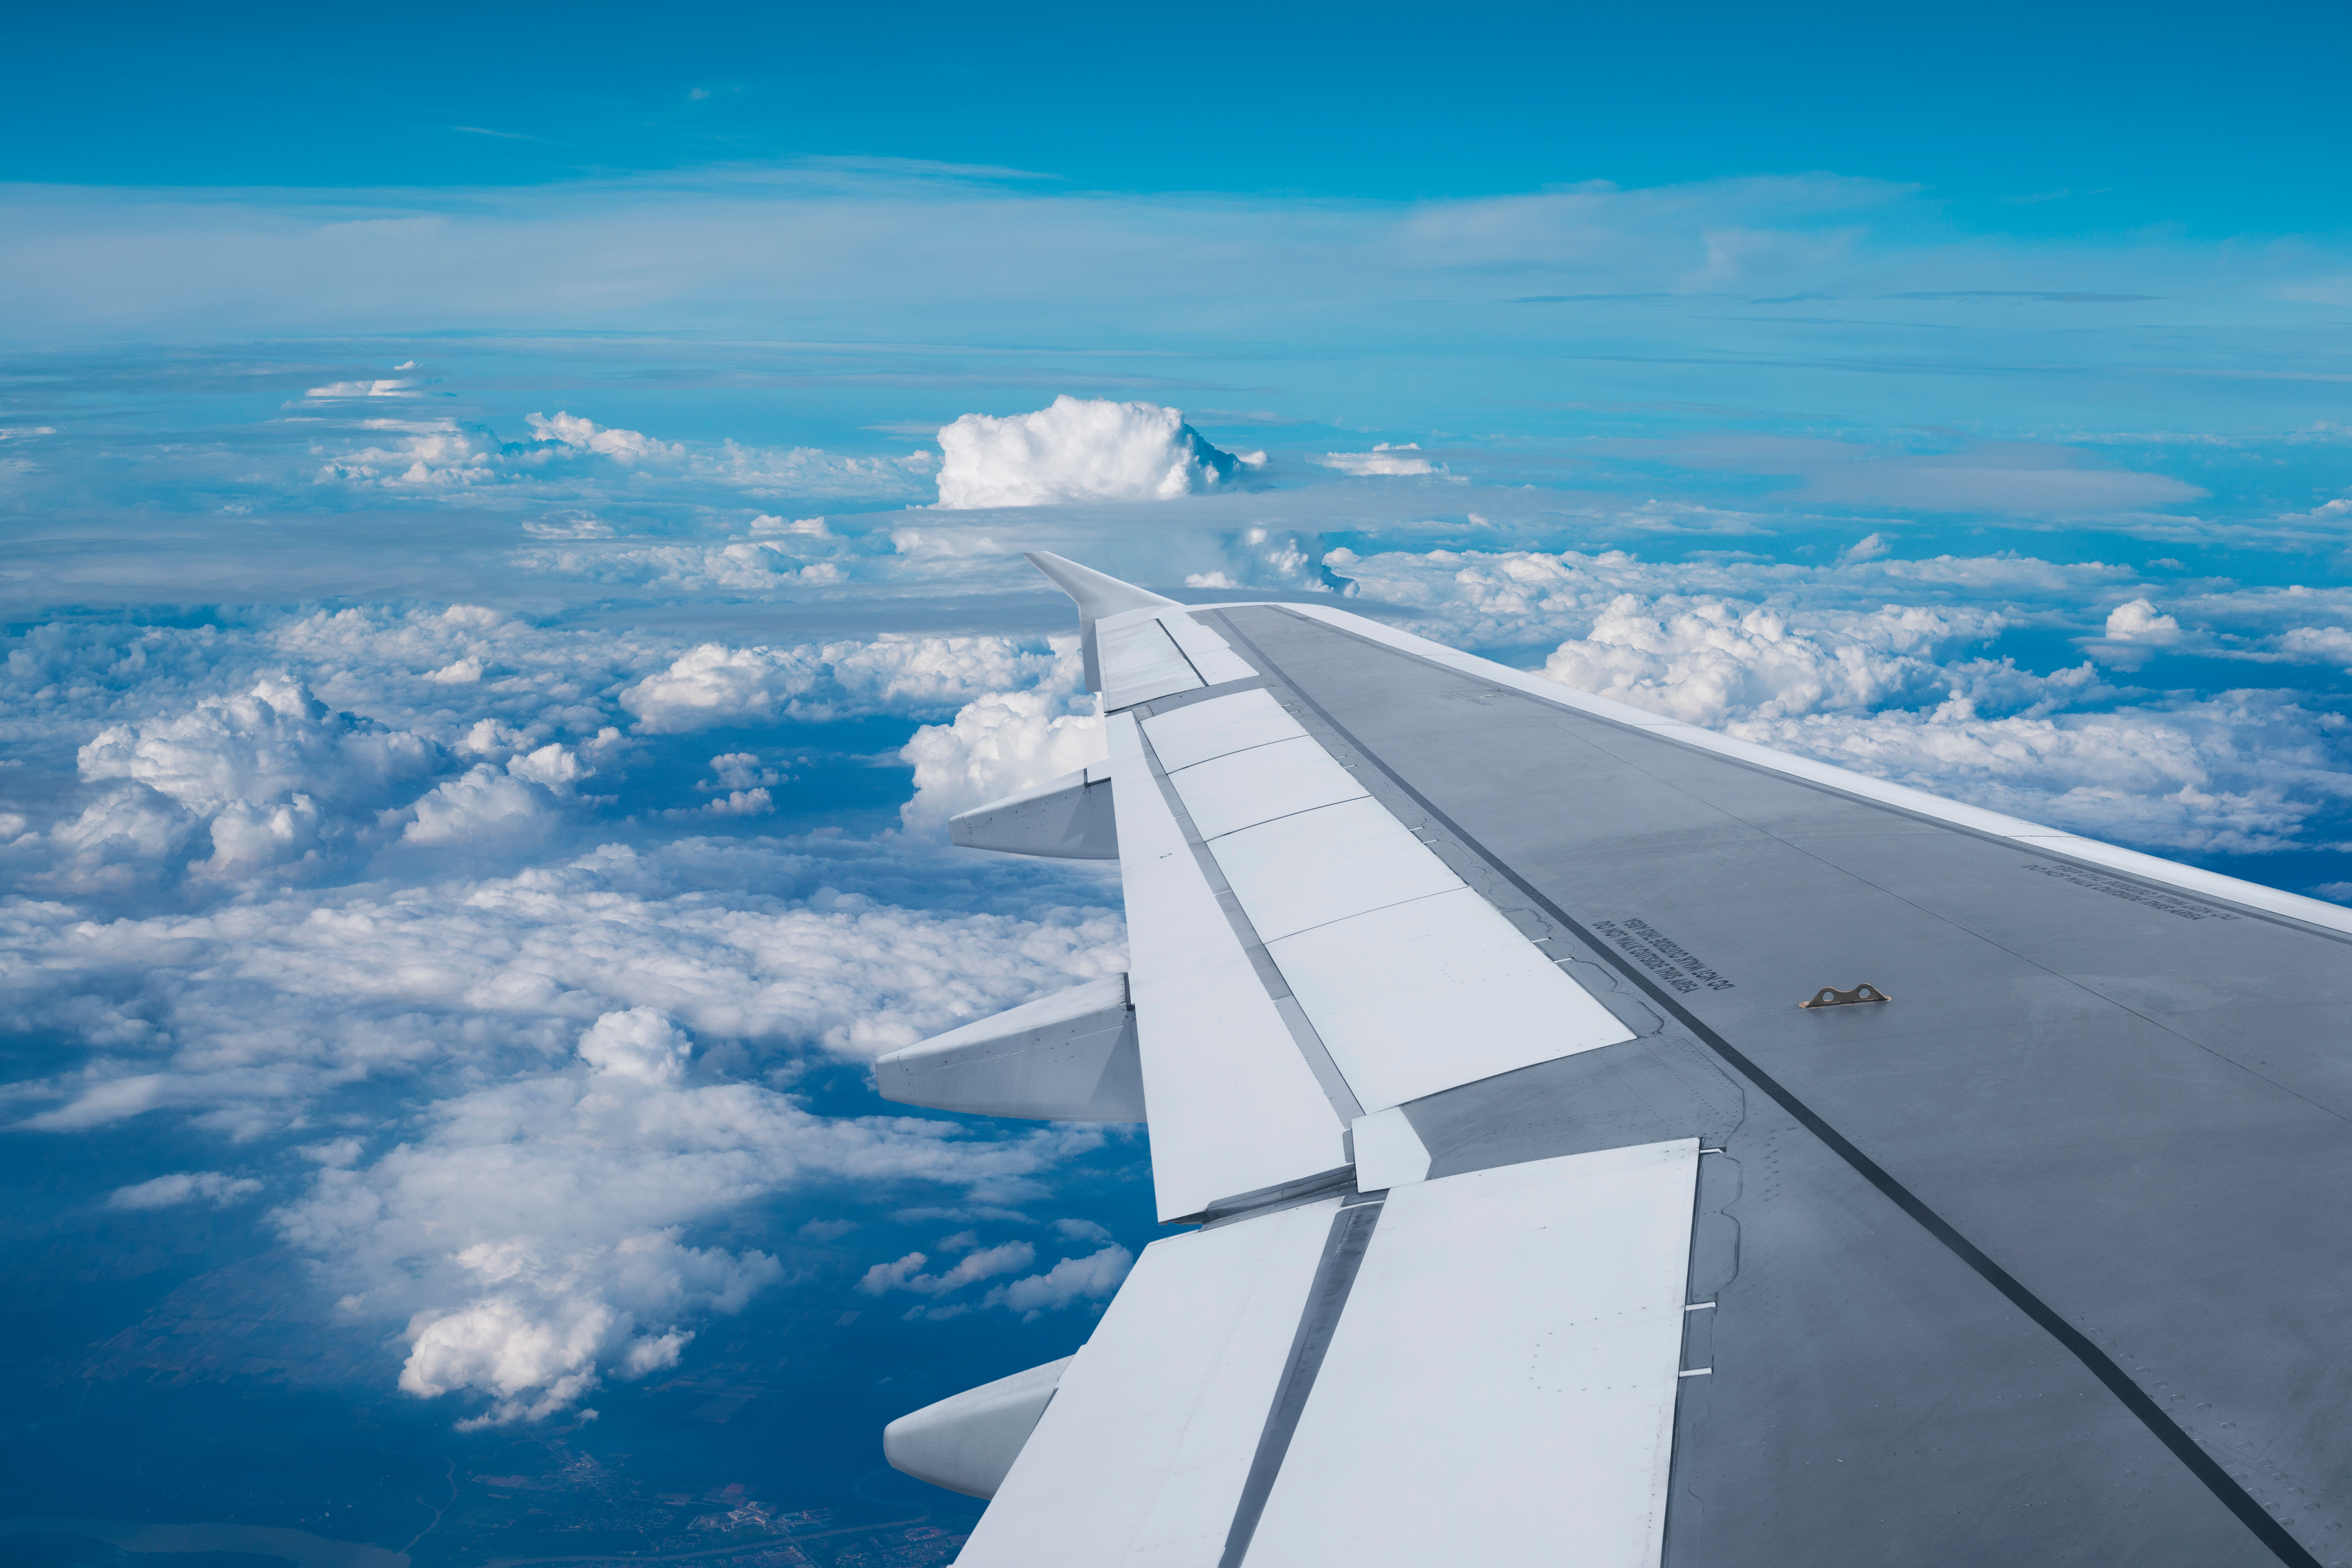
[{"x": 495, "y": 932}]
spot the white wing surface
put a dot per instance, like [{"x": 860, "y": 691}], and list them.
[{"x": 1527, "y": 1216}]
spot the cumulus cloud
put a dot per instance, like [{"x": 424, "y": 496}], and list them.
[
  {"x": 549, "y": 1332},
  {"x": 1092, "y": 1277},
  {"x": 715, "y": 685},
  {"x": 642, "y": 1044},
  {"x": 587, "y": 436},
  {"x": 270, "y": 779},
  {"x": 1079, "y": 449},
  {"x": 983, "y": 1263},
  {"x": 258, "y": 1011},
  {"x": 2136, "y": 620},
  {"x": 183, "y": 1186},
  {"x": 762, "y": 565},
  {"x": 2319, "y": 644},
  {"x": 503, "y": 810},
  {"x": 755, "y": 802},
  {"x": 534, "y": 1235},
  {"x": 579, "y": 1035},
  {"x": 2244, "y": 773},
  {"x": 1716, "y": 660},
  {"x": 1089, "y": 1278},
  {"x": 1002, "y": 743},
  {"x": 272, "y": 742},
  {"x": 2241, "y": 773}
]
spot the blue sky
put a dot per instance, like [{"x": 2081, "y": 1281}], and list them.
[
  {"x": 2025, "y": 119},
  {"x": 492, "y": 640}
]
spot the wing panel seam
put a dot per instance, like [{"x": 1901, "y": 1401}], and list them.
[
  {"x": 1334, "y": 1083},
  {"x": 1335, "y": 1278}
]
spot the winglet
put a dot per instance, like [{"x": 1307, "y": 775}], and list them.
[{"x": 1098, "y": 594}]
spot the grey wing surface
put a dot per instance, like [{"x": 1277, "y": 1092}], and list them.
[{"x": 1534, "y": 1216}]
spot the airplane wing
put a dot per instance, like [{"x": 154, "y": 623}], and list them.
[{"x": 1604, "y": 1142}]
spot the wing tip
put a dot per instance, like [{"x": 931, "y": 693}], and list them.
[{"x": 1097, "y": 594}]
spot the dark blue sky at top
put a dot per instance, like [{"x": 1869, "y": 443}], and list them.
[{"x": 2020, "y": 118}]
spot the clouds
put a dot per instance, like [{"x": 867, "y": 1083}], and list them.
[
  {"x": 260, "y": 1014},
  {"x": 268, "y": 743},
  {"x": 449, "y": 458},
  {"x": 1089, "y": 1278},
  {"x": 996, "y": 746},
  {"x": 2244, "y": 773},
  {"x": 585, "y": 1044},
  {"x": 1092, "y": 449},
  {"x": 982, "y": 1263},
  {"x": 763, "y": 252},
  {"x": 532, "y": 1235},
  {"x": 1072, "y": 1280},
  {"x": 715, "y": 685},
  {"x": 183, "y": 1187},
  {"x": 424, "y": 862},
  {"x": 587, "y": 436},
  {"x": 270, "y": 779},
  {"x": 641, "y": 1043},
  {"x": 1713, "y": 660},
  {"x": 1382, "y": 458},
  {"x": 599, "y": 1047}
]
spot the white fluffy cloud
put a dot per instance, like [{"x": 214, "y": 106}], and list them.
[
  {"x": 714, "y": 684},
  {"x": 981, "y": 1263},
  {"x": 1092, "y": 1277},
  {"x": 1715, "y": 660},
  {"x": 588, "y": 1040},
  {"x": 2244, "y": 773},
  {"x": 531, "y": 1237},
  {"x": 2136, "y": 620},
  {"x": 998, "y": 745},
  {"x": 1079, "y": 450},
  {"x": 271, "y": 777},
  {"x": 1383, "y": 459},
  {"x": 2241, "y": 773},
  {"x": 2319, "y": 644},
  {"x": 183, "y": 1186},
  {"x": 254, "y": 1014},
  {"x": 273, "y": 743},
  {"x": 1089, "y": 1278},
  {"x": 587, "y": 436}
]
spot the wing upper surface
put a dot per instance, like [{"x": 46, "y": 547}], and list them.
[{"x": 2040, "y": 1261}]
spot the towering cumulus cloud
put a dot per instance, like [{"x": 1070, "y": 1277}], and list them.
[{"x": 1091, "y": 449}]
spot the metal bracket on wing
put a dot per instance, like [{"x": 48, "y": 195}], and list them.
[
  {"x": 1070, "y": 1057},
  {"x": 1067, "y": 818},
  {"x": 1828, "y": 996}
]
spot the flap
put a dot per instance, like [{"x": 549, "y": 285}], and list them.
[
  {"x": 967, "y": 1442},
  {"x": 1069, "y": 818},
  {"x": 1480, "y": 1369},
  {"x": 1070, "y": 1057}
]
